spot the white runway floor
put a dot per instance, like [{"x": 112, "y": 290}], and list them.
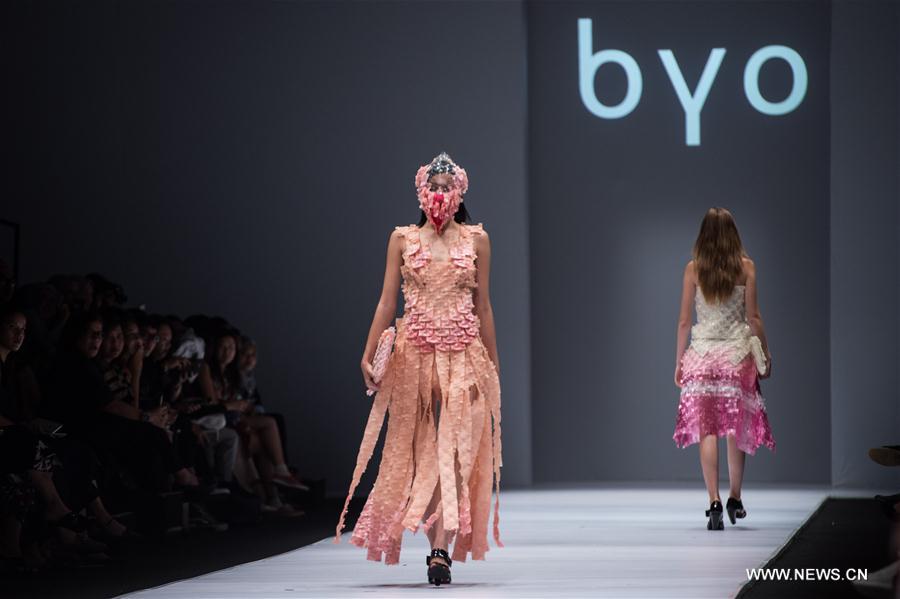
[{"x": 602, "y": 541}]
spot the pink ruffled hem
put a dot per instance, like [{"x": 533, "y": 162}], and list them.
[{"x": 720, "y": 398}]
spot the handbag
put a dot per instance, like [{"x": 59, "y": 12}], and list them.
[{"x": 382, "y": 354}]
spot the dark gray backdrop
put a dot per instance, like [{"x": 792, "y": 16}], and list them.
[
  {"x": 250, "y": 159},
  {"x": 616, "y": 205},
  {"x": 865, "y": 230}
]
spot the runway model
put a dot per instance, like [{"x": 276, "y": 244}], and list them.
[
  {"x": 719, "y": 373},
  {"x": 441, "y": 387}
]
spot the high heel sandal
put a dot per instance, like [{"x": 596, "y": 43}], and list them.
[
  {"x": 438, "y": 573},
  {"x": 715, "y": 516},
  {"x": 735, "y": 509}
]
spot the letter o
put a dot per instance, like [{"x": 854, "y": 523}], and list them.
[{"x": 751, "y": 80}]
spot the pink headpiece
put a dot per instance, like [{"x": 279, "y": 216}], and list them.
[{"x": 439, "y": 207}]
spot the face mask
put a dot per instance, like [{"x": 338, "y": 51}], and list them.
[{"x": 439, "y": 207}]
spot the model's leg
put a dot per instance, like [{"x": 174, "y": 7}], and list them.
[
  {"x": 709, "y": 461},
  {"x": 267, "y": 429},
  {"x": 266, "y": 472},
  {"x": 227, "y": 447},
  {"x": 109, "y": 524},
  {"x": 282, "y": 431},
  {"x": 246, "y": 475},
  {"x": 54, "y": 508},
  {"x": 437, "y": 536},
  {"x": 257, "y": 455},
  {"x": 736, "y": 459}
]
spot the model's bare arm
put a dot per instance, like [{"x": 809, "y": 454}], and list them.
[
  {"x": 482, "y": 296},
  {"x": 387, "y": 305},
  {"x": 754, "y": 317},
  {"x": 688, "y": 291}
]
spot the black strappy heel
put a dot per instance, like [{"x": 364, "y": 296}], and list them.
[
  {"x": 735, "y": 509},
  {"x": 438, "y": 573},
  {"x": 715, "y": 516}
]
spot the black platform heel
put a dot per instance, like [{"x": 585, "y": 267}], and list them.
[
  {"x": 439, "y": 573},
  {"x": 735, "y": 509},
  {"x": 715, "y": 516}
]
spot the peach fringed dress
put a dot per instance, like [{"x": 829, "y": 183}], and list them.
[{"x": 457, "y": 451}]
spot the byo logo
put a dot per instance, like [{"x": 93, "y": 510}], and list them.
[{"x": 692, "y": 102}]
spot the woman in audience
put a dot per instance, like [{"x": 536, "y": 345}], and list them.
[
  {"x": 79, "y": 397},
  {"x": 116, "y": 376},
  {"x": 47, "y": 314},
  {"x": 262, "y": 442},
  {"x": 162, "y": 372},
  {"x": 29, "y": 501},
  {"x": 23, "y": 396},
  {"x": 211, "y": 453},
  {"x": 74, "y": 480},
  {"x": 132, "y": 358},
  {"x": 247, "y": 388},
  {"x": 68, "y": 487}
]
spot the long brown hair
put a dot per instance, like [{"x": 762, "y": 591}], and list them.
[{"x": 718, "y": 254}]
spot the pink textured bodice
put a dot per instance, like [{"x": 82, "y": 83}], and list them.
[{"x": 439, "y": 311}]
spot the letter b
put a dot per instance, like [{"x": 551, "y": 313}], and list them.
[{"x": 589, "y": 62}]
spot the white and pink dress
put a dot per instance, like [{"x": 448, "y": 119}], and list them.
[{"x": 720, "y": 376}]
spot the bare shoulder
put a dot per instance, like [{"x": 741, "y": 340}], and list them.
[
  {"x": 477, "y": 229},
  {"x": 749, "y": 266},
  {"x": 482, "y": 240},
  {"x": 397, "y": 239},
  {"x": 690, "y": 272}
]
